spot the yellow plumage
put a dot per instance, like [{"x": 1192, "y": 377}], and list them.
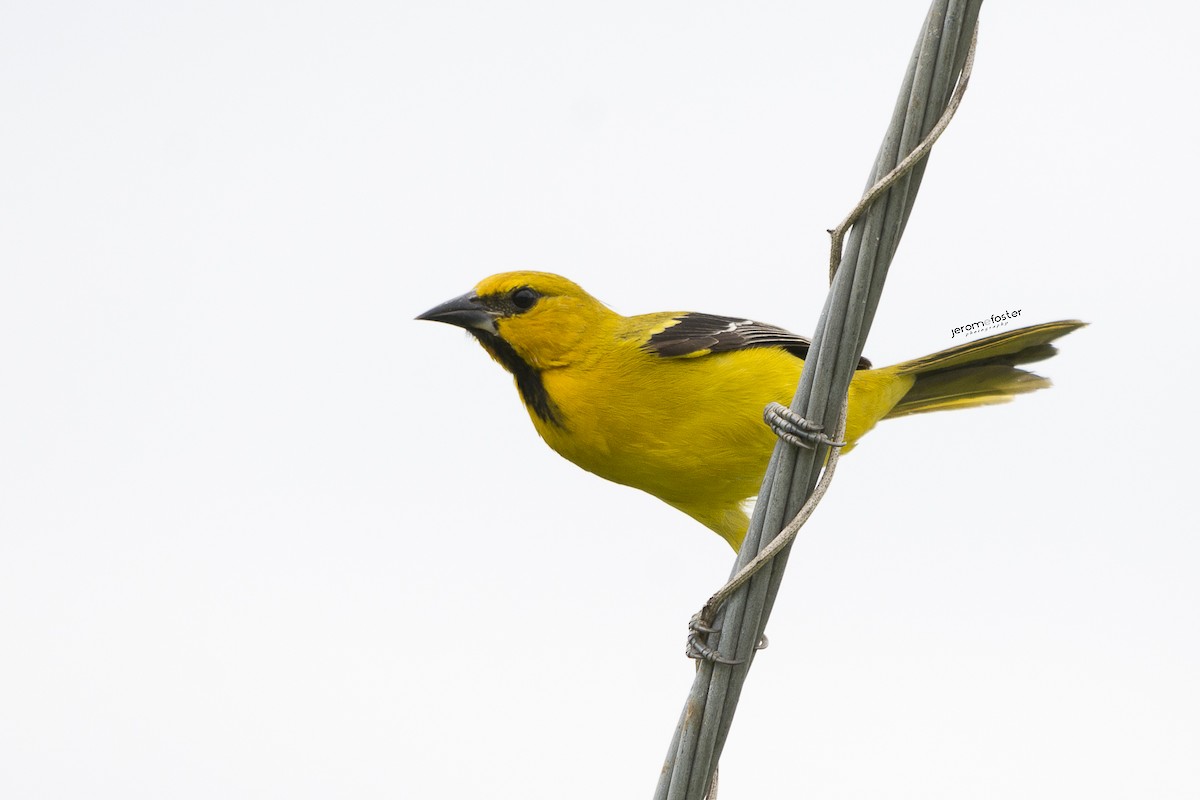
[{"x": 671, "y": 403}]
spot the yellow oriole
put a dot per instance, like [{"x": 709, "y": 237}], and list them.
[{"x": 672, "y": 403}]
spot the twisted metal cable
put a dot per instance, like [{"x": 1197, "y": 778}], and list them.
[{"x": 841, "y": 333}]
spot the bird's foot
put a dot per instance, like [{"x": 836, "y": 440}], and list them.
[
  {"x": 795, "y": 429},
  {"x": 697, "y": 649}
]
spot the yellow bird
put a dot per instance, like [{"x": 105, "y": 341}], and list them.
[{"x": 672, "y": 403}]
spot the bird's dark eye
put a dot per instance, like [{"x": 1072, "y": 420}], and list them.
[{"x": 524, "y": 298}]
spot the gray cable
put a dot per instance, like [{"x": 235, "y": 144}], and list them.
[{"x": 837, "y": 344}]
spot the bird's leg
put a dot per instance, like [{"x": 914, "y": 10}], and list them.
[{"x": 795, "y": 429}]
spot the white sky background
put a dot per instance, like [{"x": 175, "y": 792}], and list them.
[{"x": 263, "y": 535}]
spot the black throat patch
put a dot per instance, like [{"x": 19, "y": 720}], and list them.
[{"x": 529, "y": 379}]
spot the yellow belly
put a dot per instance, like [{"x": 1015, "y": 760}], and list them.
[{"x": 690, "y": 431}]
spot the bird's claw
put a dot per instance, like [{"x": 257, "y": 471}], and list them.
[
  {"x": 701, "y": 652},
  {"x": 795, "y": 429},
  {"x": 697, "y": 649}
]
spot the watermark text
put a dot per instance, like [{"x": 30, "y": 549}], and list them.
[{"x": 990, "y": 323}]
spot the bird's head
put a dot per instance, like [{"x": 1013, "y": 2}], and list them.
[{"x": 543, "y": 318}]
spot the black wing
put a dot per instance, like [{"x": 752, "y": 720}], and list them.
[{"x": 700, "y": 334}]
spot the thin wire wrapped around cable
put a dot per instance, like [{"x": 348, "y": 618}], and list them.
[
  {"x": 837, "y": 344},
  {"x": 837, "y": 235}
]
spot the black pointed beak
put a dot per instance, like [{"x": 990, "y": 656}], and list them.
[{"x": 465, "y": 312}]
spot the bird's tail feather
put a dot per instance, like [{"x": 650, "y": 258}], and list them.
[{"x": 980, "y": 373}]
